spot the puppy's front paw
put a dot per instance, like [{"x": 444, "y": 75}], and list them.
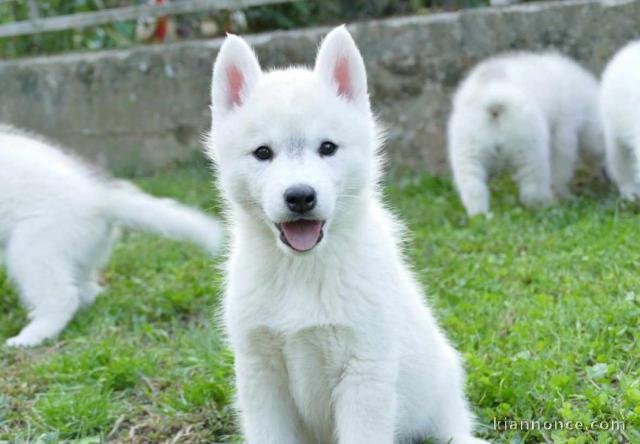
[{"x": 22, "y": 340}]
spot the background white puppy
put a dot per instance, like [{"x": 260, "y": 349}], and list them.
[
  {"x": 333, "y": 341},
  {"x": 58, "y": 220},
  {"x": 620, "y": 107},
  {"x": 530, "y": 113}
]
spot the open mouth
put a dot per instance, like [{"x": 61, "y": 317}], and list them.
[{"x": 301, "y": 235}]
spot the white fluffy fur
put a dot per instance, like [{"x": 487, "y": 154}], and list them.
[
  {"x": 531, "y": 113},
  {"x": 620, "y": 105},
  {"x": 58, "y": 220},
  {"x": 335, "y": 344}
]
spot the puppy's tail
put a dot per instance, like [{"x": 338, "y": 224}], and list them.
[
  {"x": 499, "y": 101},
  {"x": 496, "y": 109},
  {"x": 167, "y": 217}
]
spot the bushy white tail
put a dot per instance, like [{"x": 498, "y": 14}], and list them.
[
  {"x": 167, "y": 217},
  {"x": 500, "y": 100}
]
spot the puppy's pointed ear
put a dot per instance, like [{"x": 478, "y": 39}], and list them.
[
  {"x": 235, "y": 73},
  {"x": 340, "y": 64}
]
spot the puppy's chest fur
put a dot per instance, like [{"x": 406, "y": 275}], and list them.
[
  {"x": 288, "y": 297},
  {"x": 314, "y": 360},
  {"x": 314, "y": 327}
]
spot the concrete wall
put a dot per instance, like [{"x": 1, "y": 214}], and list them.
[{"x": 144, "y": 108}]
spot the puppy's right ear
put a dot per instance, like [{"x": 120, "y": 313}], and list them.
[{"x": 235, "y": 73}]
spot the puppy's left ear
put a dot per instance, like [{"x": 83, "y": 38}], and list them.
[{"x": 340, "y": 64}]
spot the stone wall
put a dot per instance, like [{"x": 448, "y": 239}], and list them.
[{"x": 147, "y": 107}]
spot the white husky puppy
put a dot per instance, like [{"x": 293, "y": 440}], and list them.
[
  {"x": 620, "y": 106},
  {"x": 530, "y": 113},
  {"x": 333, "y": 341},
  {"x": 58, "y": 220}
]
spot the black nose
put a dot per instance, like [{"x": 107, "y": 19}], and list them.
[{"x": 300, "y": 198}]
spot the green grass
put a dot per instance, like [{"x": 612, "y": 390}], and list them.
[{"x": 545, "y": 307}]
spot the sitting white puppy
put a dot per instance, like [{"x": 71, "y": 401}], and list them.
[
  {"x": 333, "y": 341},
  {"x": 58, "y": 220},
  {"x": 620, "y": 106},
  {"x": 527, "y": 112}
]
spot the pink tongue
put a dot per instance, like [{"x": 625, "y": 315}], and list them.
[{"x": 302, "y": 235}]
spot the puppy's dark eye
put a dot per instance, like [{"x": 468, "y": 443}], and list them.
[
  {"x": 263, "y": 153},
  {"x": 327, "y": 148}
]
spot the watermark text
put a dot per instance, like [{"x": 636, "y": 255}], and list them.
[{"x": 506, "y": 424}]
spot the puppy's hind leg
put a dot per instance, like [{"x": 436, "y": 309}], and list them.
[
  {"x": 533, "y": 174},
  {"x": 457, "y": 427},
  {"x": 622, "y": 167},
  {"x": 470, "y": 177},
  {"x": 564, "y": 153},
  {"x": 454, "y": 420},
  {"x": 95, "y": 258},
  {"x": 44, "y": 275}
]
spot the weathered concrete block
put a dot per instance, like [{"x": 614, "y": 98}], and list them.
[{"x": 147, "y": 107}]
